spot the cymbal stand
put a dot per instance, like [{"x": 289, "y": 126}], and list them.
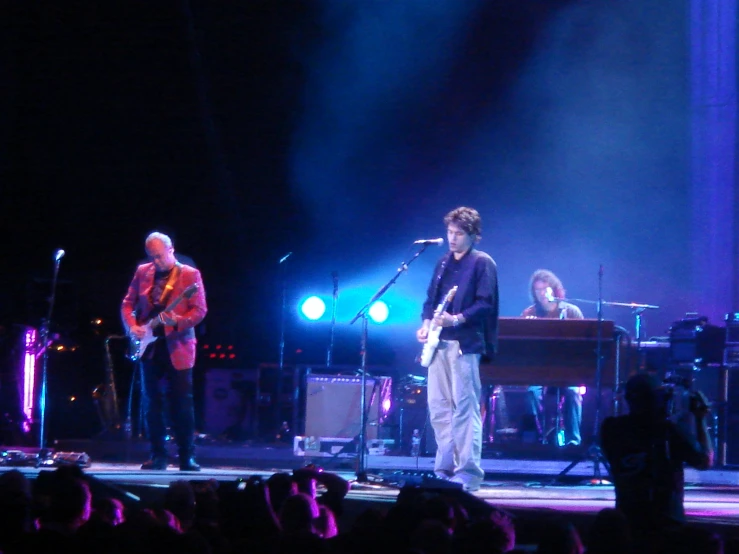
[{"x": 594, "y": 452}]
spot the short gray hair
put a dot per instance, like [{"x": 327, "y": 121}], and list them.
[{"x": 156, "y": 235}]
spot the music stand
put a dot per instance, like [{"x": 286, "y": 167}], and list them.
[{"x": 363, "y": 313}]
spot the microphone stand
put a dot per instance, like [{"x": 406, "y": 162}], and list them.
[
  {"x": 45, "y": 327},
  {"x": 281, "y": 362},
  {"x": 330, "y": 353},
  {"x": 363, "y": 313}
]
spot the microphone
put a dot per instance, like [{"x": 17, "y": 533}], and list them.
[
  {"x": 285, "y": 257},
  {"x": 59, "y": 254},
  {"x": 549, "y": 293},
  {"x": 426, "y": 242}
]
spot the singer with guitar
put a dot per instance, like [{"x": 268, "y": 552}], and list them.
[
  {"x": 462, "y": 300},
  {"x": 164, "y": 302}
]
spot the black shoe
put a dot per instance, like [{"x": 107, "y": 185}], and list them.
[
  {"x": 155, "y": 463},
  {"x": 189, "y": 464}
]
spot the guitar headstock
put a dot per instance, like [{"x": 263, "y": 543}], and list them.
[{"x": 450, "y": 294}]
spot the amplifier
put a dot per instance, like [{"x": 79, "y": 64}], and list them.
[
  {"x": 695, "y": 341},
  {"x": 332, "y": 405},
  {"x": 720, "y": 384},
  {"x": 732, "y": 328},
  {"x": 731, "y": 356},
  {"x": 728, "y": 414}
]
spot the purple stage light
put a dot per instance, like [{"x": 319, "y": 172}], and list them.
[{"x": 29, "y": 376}]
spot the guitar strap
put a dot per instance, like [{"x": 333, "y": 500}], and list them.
[
  {"x": 169, "y": 286},
  {"x": 442, "y": 269}
]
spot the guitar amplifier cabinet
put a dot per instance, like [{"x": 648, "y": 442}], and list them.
[
  {"x": 694, "y": 340},
  {"x": 728, "y": 451},
  {"x": 332, "y": 405},
  {"x": 720, "y": 384}
]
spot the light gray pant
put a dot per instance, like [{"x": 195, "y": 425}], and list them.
[{"x": 454, "y": 392}]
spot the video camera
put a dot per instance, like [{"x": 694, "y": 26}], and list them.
[{"x": 675, "y": 397}]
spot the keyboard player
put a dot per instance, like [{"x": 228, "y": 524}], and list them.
[{"x": 545, "y": 289}]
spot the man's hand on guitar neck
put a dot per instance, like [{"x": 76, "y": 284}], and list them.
[
  {"x": 448, "y": 320},
  {"x": 168, "y": 319}
]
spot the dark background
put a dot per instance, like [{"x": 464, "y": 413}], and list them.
[{"x": 341, "y": 132}]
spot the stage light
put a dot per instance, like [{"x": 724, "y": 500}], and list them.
[
  {"x": 378, "y": 312},
  {"x": 313, "y": 308},
  {"x": 29, "y": 377},
  {"x": 582, "y": 389}
]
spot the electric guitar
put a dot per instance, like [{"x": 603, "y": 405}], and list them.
[
  {"x": 432, "y": 339},
  {"x": 137, "y": 347}
]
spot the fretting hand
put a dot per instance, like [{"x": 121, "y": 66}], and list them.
[
  {"x": 444, "y": 320},
  {"x": 168, "y": 319}
]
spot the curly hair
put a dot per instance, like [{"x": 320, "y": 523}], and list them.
[
  {"x": 467, "y": 219},
  {"x": 550, "y": 279}
]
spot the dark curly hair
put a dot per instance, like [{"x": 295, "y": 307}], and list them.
[
  {"x": 467, "y": 219},
  {"x": 550, "y": 279}
]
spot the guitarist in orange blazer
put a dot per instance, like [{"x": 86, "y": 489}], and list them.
[{"x": 155, "y": 286}]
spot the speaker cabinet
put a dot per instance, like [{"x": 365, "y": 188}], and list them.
[
  {"x": 728, "y": 452},
  {"x": 332, "y": 406},
  {"x": 231, "y": 403}
]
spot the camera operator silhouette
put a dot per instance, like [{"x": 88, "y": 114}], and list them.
[{"x": 646, "y": 451}]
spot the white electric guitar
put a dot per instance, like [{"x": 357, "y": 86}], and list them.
[
  {"x": 137, "y": 346},
  {"x": 432, "y": 339}
]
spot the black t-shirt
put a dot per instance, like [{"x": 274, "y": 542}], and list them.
[
  {"x": 157, "y": 290},
  {"x": 647, "y": 468},
  {"x": 449, "y": 279}
]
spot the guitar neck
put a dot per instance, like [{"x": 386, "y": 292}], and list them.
[
  {"x": 172, "y": 305},
  {"x": 155, "y": 322}
]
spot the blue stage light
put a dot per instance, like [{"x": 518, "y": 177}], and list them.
[
  {"x": 378, "y": 312},
  {"x": 313, "y": 308}
]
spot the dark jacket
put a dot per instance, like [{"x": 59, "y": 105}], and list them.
[{"x": 476, "y": 300}]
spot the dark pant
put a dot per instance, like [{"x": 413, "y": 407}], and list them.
[{"x": 157, "y": 371}]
